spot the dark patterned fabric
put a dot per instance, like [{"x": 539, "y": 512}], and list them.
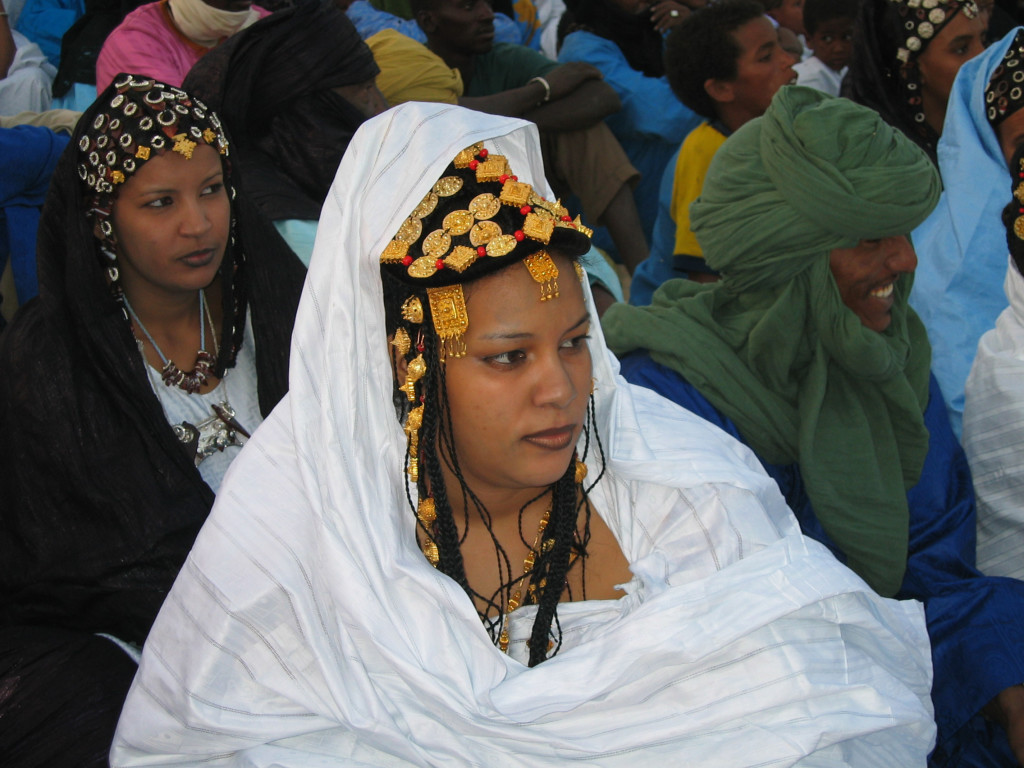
[
  {"x": 100, "y": 503},
  {"x": 272, "y": 86}
]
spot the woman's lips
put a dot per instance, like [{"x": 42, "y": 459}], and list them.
[
  {"x": 556, "y": 439},
  {"x": 199, "y": 258}
]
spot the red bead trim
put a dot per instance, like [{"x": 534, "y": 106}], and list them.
[
  {"x": 525, "y": 209},
  {"x": 481, "y": 250},
  {"x": 520, "y": 236},
  {"x": 439, "y": 263},
  {"x": 406, "y": 261}
]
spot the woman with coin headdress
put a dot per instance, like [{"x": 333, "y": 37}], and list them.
[
  {"x": 157, "y": 344},
  {"x": 461, "y": 537},
  {"x": 906, "y": 54}
]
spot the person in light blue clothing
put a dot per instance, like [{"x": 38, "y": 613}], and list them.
[
  {"x": 958, "y": 290},
  {"x": 369, "y": 21},
  {"x": 627, "y": 48}
]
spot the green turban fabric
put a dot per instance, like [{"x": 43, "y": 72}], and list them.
[{"x": 772, "y": 345}]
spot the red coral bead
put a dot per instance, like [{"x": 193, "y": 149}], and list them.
[
  {"x": 473, "y": 164},
  {"x": 525, "y": 209},
  {"x": 407, "y": 260},
  {"x": 483, "y": 153},
  {"x": 520, "y": 236},
  {"x": 504, "y": 177},
  {"x": 439, "y": 263},
  {"x": 481, "y": 251},
  {"x": 566, "y": 218}
]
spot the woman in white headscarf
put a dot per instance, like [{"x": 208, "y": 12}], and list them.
[{"x": 338, "y": 610}]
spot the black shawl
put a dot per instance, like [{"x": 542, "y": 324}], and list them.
[
  {"x": 271, "y": 85},
  {"x": 99, "y": 503}
]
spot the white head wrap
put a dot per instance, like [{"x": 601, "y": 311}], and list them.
[
  {"x": 205, "y": 25},
  {"x": 307, "y": 628}
]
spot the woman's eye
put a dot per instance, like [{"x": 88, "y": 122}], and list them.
[
  {"x": 213, "y": 189},
  {"x": 576, "y": 342},
  {"x": 508, "y": 358},
  {"x": 160, "y": 202}
]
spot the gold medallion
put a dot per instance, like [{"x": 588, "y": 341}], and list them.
[
  {"x": 484, "y": 206},
  {"x": 423, "y": 267},
  {"x": 501, "y": 245},
  {"x": 426, "y": 206},
  {"x": 483, "y": 232},
  {"x": 457, "y": 222},
  {"x": 410, "y": 231},
  {"x": 448, "y": 186},
  {"x": 436, "y": 244}
]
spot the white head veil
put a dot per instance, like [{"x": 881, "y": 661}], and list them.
[{"x": 307, "y": 628}]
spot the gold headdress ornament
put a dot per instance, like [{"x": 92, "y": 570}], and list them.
[
  {"x": 486, "y": 239},
  {"x": 1018, "y": 194}
]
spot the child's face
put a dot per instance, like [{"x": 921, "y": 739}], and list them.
[
  {"x": 790, "y": 15},
  {"x": 762, "y": 68},
  {"x": 832, "y": 42}
]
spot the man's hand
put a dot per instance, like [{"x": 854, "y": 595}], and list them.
[{"x": 667, "y": 14}]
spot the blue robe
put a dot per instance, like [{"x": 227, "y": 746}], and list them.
[
  {"x": 961, "y": 246},
  {"x": 28, "y": 155},
  {"x": 976, "y": 622}
]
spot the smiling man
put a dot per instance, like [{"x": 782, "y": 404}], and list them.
[
  {"x": 808, "y": 352},
  {"x": 163, "y": 40}
]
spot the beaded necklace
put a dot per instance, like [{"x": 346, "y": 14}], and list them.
[{"x": 193, "y": 381}]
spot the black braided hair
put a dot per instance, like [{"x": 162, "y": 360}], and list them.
[{"x": 437, "y": 449}]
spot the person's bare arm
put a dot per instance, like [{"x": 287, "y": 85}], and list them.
[
  {"x": 7, "y": 47},
  {"x": 579, "y": 98},
  {"x": 1007, "y": 709},
  {"x": 590, "y": 103}
]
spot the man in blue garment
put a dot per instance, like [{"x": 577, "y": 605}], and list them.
[{"x": 808, "y": 352}]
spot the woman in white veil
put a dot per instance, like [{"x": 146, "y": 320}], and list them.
[{"x": 309, "y": 626}]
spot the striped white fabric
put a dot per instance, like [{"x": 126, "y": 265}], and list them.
[{"x": 994, "y": 436}]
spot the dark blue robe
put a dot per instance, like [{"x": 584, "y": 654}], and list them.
[{"x": 976, "y": 622}]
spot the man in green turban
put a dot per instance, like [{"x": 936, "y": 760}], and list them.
[{"x": 808, "y": 352}]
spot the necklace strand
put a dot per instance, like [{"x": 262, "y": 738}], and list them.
[
  {"x": 193, "y": 381},
  {"x": 531, "y": 556}
]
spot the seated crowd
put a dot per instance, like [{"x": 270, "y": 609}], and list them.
[{"x": 418, "y": 382}]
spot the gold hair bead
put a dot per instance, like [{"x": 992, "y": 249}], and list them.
[
  {"x": 412, "y": 310},
  {"x": 413, "y": 373},
  {"x": 402, "y": 342}
]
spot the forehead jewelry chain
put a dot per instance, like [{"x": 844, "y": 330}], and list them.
[{"x": 193, "y": 381}]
